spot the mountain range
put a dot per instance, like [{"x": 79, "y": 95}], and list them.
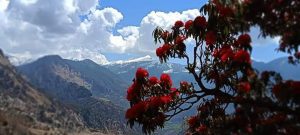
[
  {"x": 88, "y": 88},
  {"x": 95, "y": 94}
]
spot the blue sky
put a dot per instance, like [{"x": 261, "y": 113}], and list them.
[
  {"x": 135, "y": 10},
  {"x": 113, "y": 29}
]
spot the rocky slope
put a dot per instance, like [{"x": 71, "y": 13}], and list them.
[{"x": 24, "y": 110}]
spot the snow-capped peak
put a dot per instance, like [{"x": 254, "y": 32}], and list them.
[
  {"x": 145, "y": 58},
  {"x": 17, "y": 61}
]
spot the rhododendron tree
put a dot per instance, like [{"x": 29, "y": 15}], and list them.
[{"x": 261, "y": 103}]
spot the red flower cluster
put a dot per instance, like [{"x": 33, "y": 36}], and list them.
[
  {"x": 226, "y": 53},
  {"x": 141, "y": 73},
  {"x": 242, "y": 56},
  {"x": 178, "y": 24},
  {"x": 163, "y": 51},
  {"x": 159, "y": 101},
  {"x": 153, "y": 80},
  {"x": 166, "y": 80},
  {"x": 225, "y": 11},
  {"x": 150, "y": 102},
  {"x": 295, "y": 87},
  {"x": 188, "y": 24},
  {"x": 136, "y": 110},
  {"x": 179, "y": 40},
  {"x": 174, "y": 93},
  {"x": 185, "y": 86},
  {"x": 192, "y": 121},
  {"x": 200, "y": 22},
  {"x": 277, "y": 89},
  {"x": 159, "y": 52},
  {"x": 210, "y": 38},
  {"x": 286, "y": 89},
  {"x": 244, "y": 87},
  {"x": 244, "y": 40},
  {"x": 202, "y": 128},
  {"x": 132, "y": 91}
]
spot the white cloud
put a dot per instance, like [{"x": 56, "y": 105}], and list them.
[
  {"x": 145, "y": 42},
  {"x": 34, "y": 28},
  {"x": 3, "y": 5},
  {"x": 40, "y": 27},
  {"x": 258, "y": 40}
]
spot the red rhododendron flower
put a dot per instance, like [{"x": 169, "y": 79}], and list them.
[
  {"x": 166, "y": 99},
  {"x": 200, "y": 22},
  {"x": 179, "y": 24},
  {"x": 166, "y": 80},
  {"x": 188, "y": 24},
  {"x": 202, "y": 128},
  {"x": 277, "y": 90},
  {"x": 136, "y": 110},
  {"x": 295, "y": 87},
  {"x": 244, "y": 40},
  {"x": 210, "y": 38},
  {"x": 244, "y": 87},
  {"x": 174, "y": 92},
  {"x": 166, "y": 48},
  {"x": 225, "y": 11},
  {"x": 159, "y": 52},
  {"x": 153, "y": 80},
  {"x": 154, "y": 102},
  {"x": 159, "y": 101},
  {"x": 226, "y": 53},
  {"x": 141, "y": 73},
  {"x": 179, "y": 39},
  {"x": 184, "y": 85},
  {"x": 192, "y": 121},
  {"x": 250, "y": 1},
  {"x": 242, "y": 56},
  {"x": 132, "y": 91}
]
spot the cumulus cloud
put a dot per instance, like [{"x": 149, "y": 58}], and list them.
[
  {"x": 145, "y": 42},
  {"x": 34, "y": 28}
]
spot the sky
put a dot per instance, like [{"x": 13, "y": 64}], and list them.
[{"x": 100, "y": 30}]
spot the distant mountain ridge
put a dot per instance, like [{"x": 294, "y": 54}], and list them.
[
  {"x": 280, "y": 65},
  {"x": 89, "y": 77},
  {"x": 86, "y": 87}
]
